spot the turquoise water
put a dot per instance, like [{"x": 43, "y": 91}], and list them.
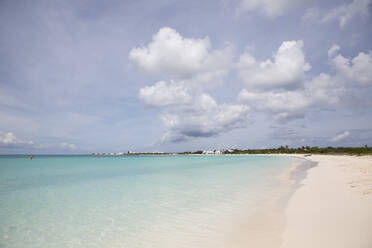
[{"x": 129, "y": 201}]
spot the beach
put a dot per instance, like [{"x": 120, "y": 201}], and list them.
[{"x": 333, "y": 205}]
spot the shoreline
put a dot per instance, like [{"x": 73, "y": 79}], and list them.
[
  {"x": 333, "y": 205},
  {"x": 264, "y": 227}
]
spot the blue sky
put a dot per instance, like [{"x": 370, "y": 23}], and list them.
[{"x": 112, "y": 76}]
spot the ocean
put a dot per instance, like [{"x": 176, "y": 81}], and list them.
[{"x": 132, "y": 201}]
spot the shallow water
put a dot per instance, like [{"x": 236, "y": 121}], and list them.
[{"x": 129, "y": 201}]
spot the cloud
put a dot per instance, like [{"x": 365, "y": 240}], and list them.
[
  {"x": 189, "y": 64},
  {"x": 357, "y": 70},
  {"x": 161, "y": 94},
  {"x": 333, "y": 50},
  {"x": 268, "y": 8},
  {"x": 170, "y": 55},
  {"x": 9, "y": 140},
  {"x": 345, "y": 12},
  {"x": 359, "y": 137},
  {"x": 204, "y": 118},
  {"x": 284, "y": 105},
  {"x": 286, "y": 70},
  {"x": 279, "y": 86},
  {"x": 341, "y": 136},
  {"x": 322, "y": 92}
]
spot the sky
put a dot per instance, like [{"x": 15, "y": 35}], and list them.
[{"x": 169, "y": 76}]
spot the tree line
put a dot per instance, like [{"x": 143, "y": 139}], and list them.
[{"x": 365, "y": 150}]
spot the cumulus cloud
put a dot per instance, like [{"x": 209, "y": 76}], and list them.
[
  {"x": 277, "y": 86},
  {"x": 287, "y": 69},
  {"x": 172, "y": 56},
  {"x": 345, "y": 12},
  {"x": 284, "y": 105},
  {"x": 333, "y": 50},
  {"x": 321, "y": 92},
  {"x": 341, "y": 136},
  {"x": 9, "y": 140},
  {"x": 204, "y": 118},
  {"x": 189, "y": 64},
  {"x": 268, "y": 8},
  {"x": 161, "y": 94},
  {"x": 357, "y": 70}
]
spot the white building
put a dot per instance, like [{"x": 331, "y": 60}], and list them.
[{"x": 212, "y": 152}]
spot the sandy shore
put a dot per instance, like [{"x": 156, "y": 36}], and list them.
[{"x": 333, "y": 207}]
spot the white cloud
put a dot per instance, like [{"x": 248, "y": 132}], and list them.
[
  {"x": 204, "y": 118},
  {"x": 333, "y": 50},
  {"x": 287, "y": 70},
  {"x": 345, "y": 12},
  {"x": 277, "y": 86},
  {"x": 170, "y": 53},
  {"x": 172, "y": 56},
  {"x": 321, "y": 92},
  {"x": 285, "y": 102},
  {"x": 283, "y": 105},
  {"x": 8, "y": 139},
  {"x": 340, "y": 136},
  {"x": 357, "y": 70},
  {"x": 324, "y": 91},
  {"x": 190, "y": 65},
  {"x": 268, "y": 8},
  {"x": 161, "y": 94}
]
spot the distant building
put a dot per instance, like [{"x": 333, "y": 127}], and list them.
[{"x": 212, "y": 152}]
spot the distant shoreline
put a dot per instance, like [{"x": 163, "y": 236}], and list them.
[{"x": 304, "y": 150}]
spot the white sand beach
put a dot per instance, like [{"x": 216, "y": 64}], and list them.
[{"x": 333, "y": 207}]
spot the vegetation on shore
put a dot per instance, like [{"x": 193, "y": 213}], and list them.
[{"x": 306, "y": 150}]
